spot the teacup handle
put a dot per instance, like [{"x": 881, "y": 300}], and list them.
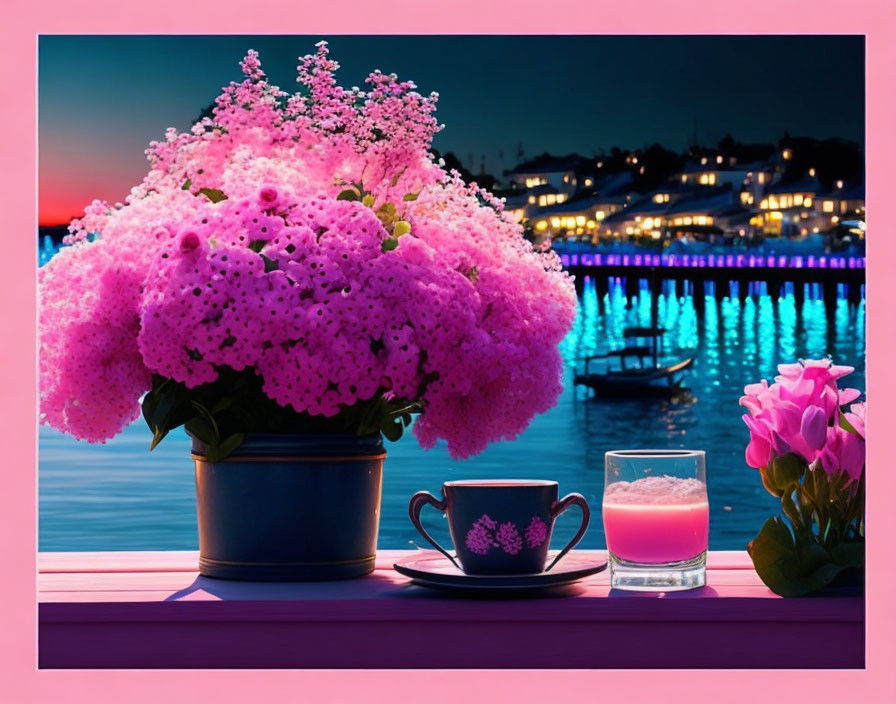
[
  {"x": 558, "y": 508},
  {"x": 417, "y": 502}
]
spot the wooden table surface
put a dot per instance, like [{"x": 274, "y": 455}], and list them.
[{"x": 153, "y": 610}]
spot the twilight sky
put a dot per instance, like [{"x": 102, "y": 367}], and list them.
[{"x": 102, "y": 99}]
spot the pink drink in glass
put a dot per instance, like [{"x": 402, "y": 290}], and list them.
[{"x": 656, "y": 520}]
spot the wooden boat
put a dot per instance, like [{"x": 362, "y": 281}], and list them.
[{"x": 640, "y": 372}]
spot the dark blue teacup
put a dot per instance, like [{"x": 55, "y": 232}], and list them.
[{"x": 500, "y": 526}]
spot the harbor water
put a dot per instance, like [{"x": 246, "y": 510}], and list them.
[{"x": 119, "y": 496}]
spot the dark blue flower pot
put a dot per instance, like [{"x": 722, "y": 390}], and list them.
[{"x": 290, "y": 508}]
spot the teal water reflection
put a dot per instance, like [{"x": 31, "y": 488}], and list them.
[{"x": 118, "y": 496}]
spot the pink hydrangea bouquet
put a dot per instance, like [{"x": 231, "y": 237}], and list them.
[
  {"x": 302, "y": 263},
  {"x": 810, "y": 453}
]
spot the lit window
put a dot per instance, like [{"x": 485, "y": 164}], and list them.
[
  {"x": 704, "y": 179},
  {"x": 658, "y": 198},
  {"x": 835, "y": 219},
  {"x": 763, "y": 205},
  {"x": 634, "y": 160},
  {"x": 709, "y": 220},
  {"x": 600, "y": 215},
  {"x": 580, "y": 220},
  {"x": 591, "y": 224},
  {"x": 798, "y": 199},
  {"x": 761, "y": 177},
  {"x": 555, "y": 222},
  {"x": 687, "y": 221},
  {"x": 839, "y": 185},
  {"x": 700, "y": 220},
  {"x": 828, "y": 206},
  {"x": 812, "y": 173},
  {"x": 773, "y": 202},
  {"x": 648, "y": 223},
  {"x": 588, "y": 182},
  {"x": 684, "y": 178},
  {"x": 629, "y": 230},
  {"x": 551, "y": 199},
  {"x": 787, "y": 154},
  {"x": 807, "y": 202},
  {"x": 542, "y": 225},
  {"x": 566, "y": 179},
  {"x": 776, "y": 215},
  {"x": 561, "y": 197},
  {"x": 600, "y": 164},
  {"x": 542, "y": 201},
  {"x": 532, "y": 199},
  {"x": 719, "y": 159},
  {"x": 703, "y": 160}
]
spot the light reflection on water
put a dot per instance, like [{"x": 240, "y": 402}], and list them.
[{"x": 121, "y": 497}]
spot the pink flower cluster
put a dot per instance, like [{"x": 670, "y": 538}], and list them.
[
  {"x": 236, "y": 251},
  {"x": 800, "y": 413}
]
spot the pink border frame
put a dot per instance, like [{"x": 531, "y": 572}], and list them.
[{"x": 23, "y": 682}]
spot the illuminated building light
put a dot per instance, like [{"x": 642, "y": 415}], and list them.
[
  {"x": 551, "y": 199},
  {"x": 637, "y": 218},
  {"x": 648, "y": 223},
  {"x": 761, "y": 177},
  {"x": 634, "y": 160},
  {"x": 812, "y": 172},
  {"x": 599, "y": 215},
  {"x": 827, "y": 206},
  {"x": 798, "y": 199},
  {"x": 542, "y": 201},
  {"x": 703, "y": 160},
  {"x": 566, "y": 179},
  {"x": 835, "y": 219},
  {"x": 580, "y": 220},
  {"x": 807, "y": 202},
  {"x": 776, "y": 215},
  {"x": 590, "y": 224},
  {"x": 561, "y": 197},
  {"x": 542, "y": 225},
  {"x": 787, "y": 154},
  {"x": 839, "y": 185},
  {"x": 600, "y": 164},
  {"x": 763, "y": 205},
  {"x": 718, "y": 159},
  {"x": 684, "y": 178},
  {"x": 555, "y": 222},
  {"x": 588, "y": 182},
  {"x": 815, "y": 230},
  {"x": 687, "y": 221},
  {"x": 532, "y": 200},
  {"x": 629, "y": 230},
  {"x": 580, "y": 231}
]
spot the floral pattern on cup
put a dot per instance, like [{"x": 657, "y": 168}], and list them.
[{"x": 486, "y": 534}]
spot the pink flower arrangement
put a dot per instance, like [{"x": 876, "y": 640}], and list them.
[
  {"x": 800, "y": 413},
  {"x": 308, "y": 248},
  {"x": 810, "y": 454}
]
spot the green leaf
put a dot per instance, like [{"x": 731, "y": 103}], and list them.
[
  {"x": 402, "y": 227},
  {"x": 389, "y": 244},
  {"x": 410, "y": 196},
  {"x": 368, "y": 200},
  {"x": 846, "y": 425},
  {"x": 786, "y": 470},
  {"x": 348, "y": 194},
  {"x": 786, "y": 569},
  {"x": 216, "y": 453},
  {"x": 392, "y": 428},
  {"x": 257, "y": 245},
  {"x": 187, "y": 184},
  {"x": 849, "y": 554},
  {"x": 213, "y": 194}
]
